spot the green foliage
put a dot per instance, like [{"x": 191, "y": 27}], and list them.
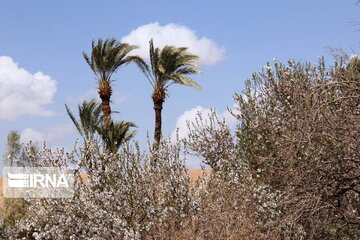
[
  {"x": 13, "y": 147},
  {"x": 16, "y": 154},
  {"x": 116, "y": 134},
  {"x": 90, "y": 119},
  {"x": 91, "y": 127},
  {"x": 171, "y": 65},
  {"x": 108, "y": 55}
]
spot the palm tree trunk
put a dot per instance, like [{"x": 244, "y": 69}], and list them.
[
  {"x": 158, "y": 105},
  {"x": 105, "y": 92},
  {"x": 105, "y": 105}
]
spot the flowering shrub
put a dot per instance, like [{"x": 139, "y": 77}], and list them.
[
  {"x": 299, "y": 135},
  {"x": 291, "y": 171},
  {"x": 122, "y": 196}
]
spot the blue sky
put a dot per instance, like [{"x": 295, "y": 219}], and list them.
[{"x": 240, "y": 36}]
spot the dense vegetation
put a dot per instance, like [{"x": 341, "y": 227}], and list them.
[{"x": 290, "y": 170}]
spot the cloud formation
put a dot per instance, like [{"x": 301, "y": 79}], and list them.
[
  {"x": 209, "y": 52},
  {"x": 23, "y": 93},
  {"x": 51, "y": 135},
  {"x": 181, "y": 123}
]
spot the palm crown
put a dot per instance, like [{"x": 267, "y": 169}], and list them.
[
  {"x": 171, "y": 65},
  {"x": 106, "y": 57}
]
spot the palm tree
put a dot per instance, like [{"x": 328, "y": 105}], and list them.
[
  {"x": 116, "y": 134},
  {"x": 90, "y": 124},
  {"x": 90, "y": 119},
  {"x": 169, "y": 65},
  {"x": 106, "y": 57}
]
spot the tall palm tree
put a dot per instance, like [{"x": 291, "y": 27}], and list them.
[
  {"x": 90, "y": 119},
  {"x": 169, "y": 65},
  {"x": 106, "y": 57}
]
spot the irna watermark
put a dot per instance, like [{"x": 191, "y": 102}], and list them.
[{"x": 41, "y": 182}]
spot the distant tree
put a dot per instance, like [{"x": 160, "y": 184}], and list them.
[
  {"x": 168, "y": 65},
  {"x": 12, "y": 210},
  {"x": 14, "y": 147},
  {"x": 17, "y": 154},
  {"x": 106, "y": 57}
]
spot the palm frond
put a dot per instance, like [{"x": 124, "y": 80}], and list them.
[
  {"x": 73, "y": 119},
  {"x": 108, "y": 55},
  {"x": 171, "y": 65},
  {"x": 180, "y": 79},
  {"x": 90, "y": 118},
  {"x": 116, "y": 134}
]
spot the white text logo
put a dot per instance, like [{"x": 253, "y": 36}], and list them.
[{"x": 31, "y": 182}]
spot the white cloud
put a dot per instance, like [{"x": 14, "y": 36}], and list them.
[
  {"x": 181, "y": 123},
  {"x": 51, "y": 135},
  {"x": 208, "y": 51},
  {"x": 23, "y": 93},
  {"x": 59, "y": 132},
  {"x": 32, "y": 135}
]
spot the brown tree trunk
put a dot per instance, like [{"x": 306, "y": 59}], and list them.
[
  {"x": 105, "y": 105},
  {"x": 158, "y": 103},
  {"x": 105, "y": 92}
]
